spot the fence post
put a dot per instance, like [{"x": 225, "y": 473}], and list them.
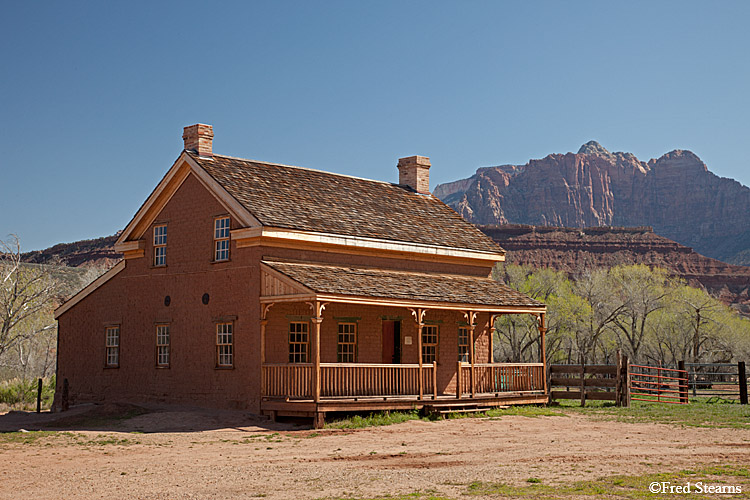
[
  {"x": 458, "y": 379},
  {"x": 618, "y": 379},
  {"x": 65, "y": 403},
  {"x": 583, "y": 384},
  {"x": 683, "y": 383},
  {"x": 39, "y": 397},
  {"x": 694, "y": 374},
  {"x": 625, "y": 380},
  {"x": 742, "y": 376}
]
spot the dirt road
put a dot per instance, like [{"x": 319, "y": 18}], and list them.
[{"x": 197, "y": 454}]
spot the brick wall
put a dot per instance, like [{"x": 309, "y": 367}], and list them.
[{"x": 135, "y": 300}]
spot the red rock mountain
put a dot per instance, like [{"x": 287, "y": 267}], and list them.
[{"x": 675, "y": 194}]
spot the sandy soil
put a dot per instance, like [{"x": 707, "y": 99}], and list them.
[{"x": 195, "y": 454}]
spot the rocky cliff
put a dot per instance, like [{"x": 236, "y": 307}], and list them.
[
  {"x": 572, "y": 250},
  {"x": 97, "y": 253},
  {"x": 676, "y": 194}
]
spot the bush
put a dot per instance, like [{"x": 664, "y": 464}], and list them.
[{"x": 21, "y": 394}]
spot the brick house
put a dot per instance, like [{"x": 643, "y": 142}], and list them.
[{"x": 291, "y": 291}]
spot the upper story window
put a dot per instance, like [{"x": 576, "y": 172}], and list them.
[
  {"x": 160, "y": 245},
  {"x": 112, "y": 341},
  {"x": 221, "y": 239}
]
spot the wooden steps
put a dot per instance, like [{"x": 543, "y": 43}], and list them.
[{"x": 444, "y": 408}]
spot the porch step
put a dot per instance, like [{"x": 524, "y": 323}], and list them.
[
  {"x": 446, "y": 408},
  {"x": 462, "y": 410}
]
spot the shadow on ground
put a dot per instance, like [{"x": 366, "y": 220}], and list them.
[{"x": 147, "y": 418}]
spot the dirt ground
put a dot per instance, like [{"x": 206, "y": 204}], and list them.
[{"x": 187, "y": 453}]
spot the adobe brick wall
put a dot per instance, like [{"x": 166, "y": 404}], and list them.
[{"x": 134, "y": 299}]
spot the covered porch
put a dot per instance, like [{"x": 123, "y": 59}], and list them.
[{"x": 337, "y": 339}]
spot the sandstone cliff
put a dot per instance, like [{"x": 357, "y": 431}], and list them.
[{"x": 675, "y": 194}]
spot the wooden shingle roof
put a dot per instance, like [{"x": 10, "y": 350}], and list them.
[
  {"x": 310, "y": 200},
  {"x": 402, "y": 285}
]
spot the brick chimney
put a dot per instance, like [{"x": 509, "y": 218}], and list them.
[
  {"x": 199, "y": 138},
  {"x": 414, "y": 171}
]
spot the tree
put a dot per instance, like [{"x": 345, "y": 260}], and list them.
[
  {"x": 640, "y": 291},
  {"x": 26, "y": 299}
]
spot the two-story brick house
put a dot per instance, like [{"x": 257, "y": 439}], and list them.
[{"x": 293, "y": 291}]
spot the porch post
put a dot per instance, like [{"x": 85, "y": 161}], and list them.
[
  {"x": 263, "y": 322},
  {"x": 317, "y": 319},
  {"x": 471, "y": 318},
  {"x": 316, "y": 358},
  {"x": 543, "y": 354},
  {"x": 419, "y": 317}
]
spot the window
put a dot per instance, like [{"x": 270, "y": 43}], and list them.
[
  {"x": 113, "y": 346},
  {"x": 160, "y": 245},
  {"x": 429, "y": 343},
  {"x": 299, "y": 342},
  {"x": 162, "y": 345},
  {"x": 221, "y": 239},
  {"x": 224, "y": 344},
  {"x": 463, "y": 344},
  {"x": 347, "y": 347}
]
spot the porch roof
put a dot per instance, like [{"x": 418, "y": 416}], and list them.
[{"x": 306, "y": 281}]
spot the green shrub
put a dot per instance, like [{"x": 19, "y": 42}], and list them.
[{"x": 21, "y": 394}]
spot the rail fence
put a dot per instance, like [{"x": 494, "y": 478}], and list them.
[
  {"x": 658, "y": 385},
  {"x": 723, "y": 380},
  {"x": 592, "y": 382}
]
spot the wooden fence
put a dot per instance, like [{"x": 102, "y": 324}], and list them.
[
  {"x": 723, "y": 380},
  {"x": 594, "y": 382}
]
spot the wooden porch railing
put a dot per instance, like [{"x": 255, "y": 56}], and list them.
[
  {"x": 499, "y": 377},
  {"x": 294, "y": 380}
]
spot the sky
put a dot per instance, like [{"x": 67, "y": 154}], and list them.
[{"x": 94, "y": 95}]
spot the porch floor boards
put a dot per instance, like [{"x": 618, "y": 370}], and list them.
[{"x": 308, "y": 408}]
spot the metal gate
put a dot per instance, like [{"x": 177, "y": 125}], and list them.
[{"x": 658, "y": 385}]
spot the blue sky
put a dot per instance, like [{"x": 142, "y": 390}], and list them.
[{"x": 94, "y": 95}]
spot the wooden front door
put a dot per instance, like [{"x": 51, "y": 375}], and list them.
[{"x": 391, "y": 342}]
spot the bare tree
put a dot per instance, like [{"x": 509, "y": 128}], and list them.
[{"x": 26, "y": 297}]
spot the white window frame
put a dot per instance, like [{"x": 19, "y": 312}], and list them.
[
  {"x": 160, "y": 245},
  {"x": 222, "y": 225},
  {"x": 225, "y": 345},
  {"x": 163, "y": 344},
  {"x": 112, "y": 346}
]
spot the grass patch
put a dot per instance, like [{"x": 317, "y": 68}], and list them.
[
  {"x": 374, "y": 419},
  {"x": 47, "y": 438},
  {"x": 699, "y": 413},
  {"x": 635, "y": 487},
  {"x": 29, "y": 437}
]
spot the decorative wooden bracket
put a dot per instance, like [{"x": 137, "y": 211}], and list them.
[
  {"x": 264, "y": 311},
  {"x": 471, "y": 317},
  {"x": 418, "y": 314},
  {"x": 318, "y": 308}
]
